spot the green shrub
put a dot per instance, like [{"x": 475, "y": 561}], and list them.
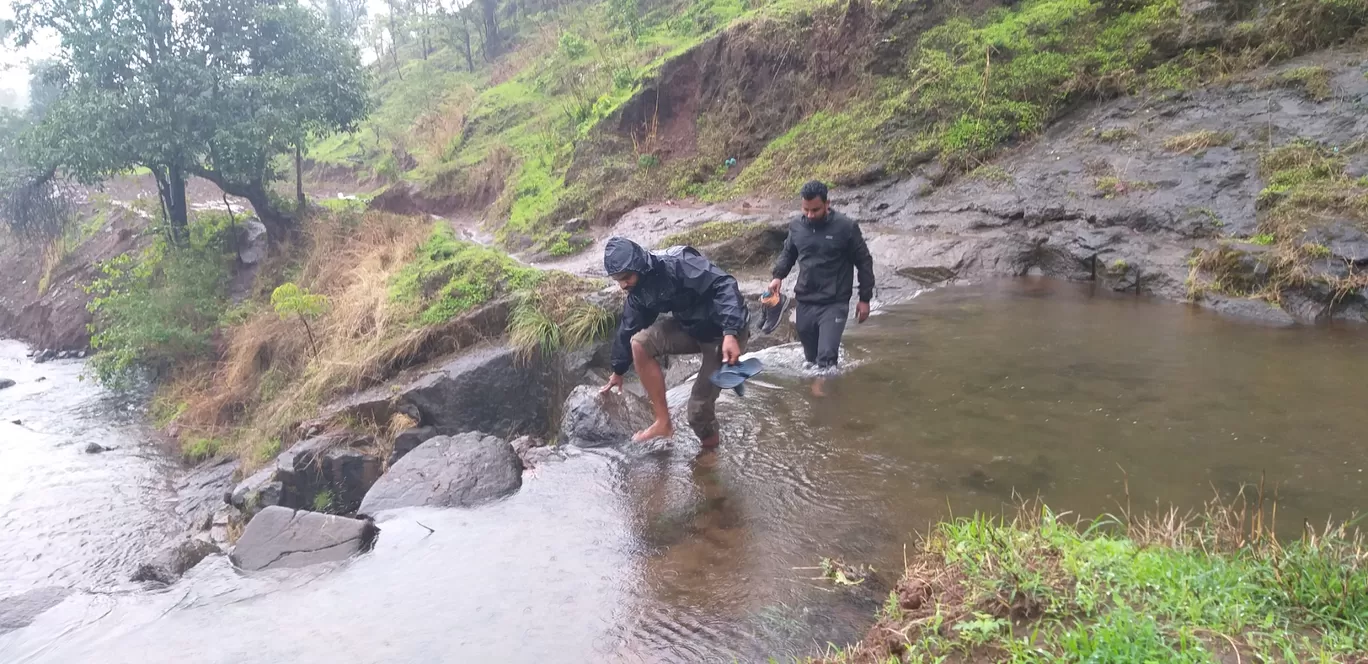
[{"x": 160, "y": 307}]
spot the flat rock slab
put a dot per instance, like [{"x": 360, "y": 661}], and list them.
[
  {"x": 280, "y": 537},
  {"x": 21, "y": 610},
  {"x": 448, "y": 471}
]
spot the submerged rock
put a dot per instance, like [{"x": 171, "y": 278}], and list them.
[
  {"x": 21, "y": 610},
  {"x": 170, "y": 563},
  {"x": 448, "y": 471},
  {"x": 593, "y": 419},
  {"x": 6, "y": 383},
  {"x": 95, "y": 448},
  {"x": 281, "y": 537}
]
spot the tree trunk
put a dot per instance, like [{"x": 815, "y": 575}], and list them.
[
  {"x": 465, "y": 41},
  {"x": 491, "y": 28},
  {"x": 171, "y": 190},
  {"x": 299, "y": 179},
  {"x": 279, "y": 225}
]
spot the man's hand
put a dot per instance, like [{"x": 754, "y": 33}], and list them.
[
  {"x": 775, "y": 286},
  {"x": 862, "y": 312},
  {"x": 731, "y": 350},
  {"x": 615, "y": 381}
]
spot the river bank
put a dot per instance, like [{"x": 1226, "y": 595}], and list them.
[{"x": 1214, "y": 585}]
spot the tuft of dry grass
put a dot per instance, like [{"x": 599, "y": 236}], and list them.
[{"x": 1195, "y": 141}]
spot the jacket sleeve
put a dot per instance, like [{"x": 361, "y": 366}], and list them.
[
  {"x": 728, "y": 306},
  {"x": 864, "y": 263},
  {"x": 787, "y": 258},
  {"x": 634, "y": 319}
]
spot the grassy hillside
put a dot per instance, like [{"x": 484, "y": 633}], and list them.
[{"x": 595, "y": 111}]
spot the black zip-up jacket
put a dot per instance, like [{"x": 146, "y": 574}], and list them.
[
  {"x": 703, "y": 298},
  {"x": 827, "y": 253}
]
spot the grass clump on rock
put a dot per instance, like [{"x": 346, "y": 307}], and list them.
[{"x": 1214, "y": 587}]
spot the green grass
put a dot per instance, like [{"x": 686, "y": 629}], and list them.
[
  {"x": 1153, "y": 589},
  {"x": 1311, "y": 81},
  {"x": 449, "y": 277},
  {"x": 709, "y": 233},
  {"x": 199, "y": 449},
  {"x": 555, "y": 315}
]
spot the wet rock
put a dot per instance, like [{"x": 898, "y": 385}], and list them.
[
  {"x": 44, "y": 356},
  {"x": 252, "y": 242},
  {"x": 94, "y": 448},
  {"x": 169, "y": 564},
  {"x": 280, "y": 537},
  {"x": 349, "y": 473},
  {"x": 1249, "y": 310},
  {"x": 592, "y": 419},
  {"x": 6, "y": 383},
  {"x": 486, "y": 389},
  {"x": 257, "y": 492},
  {"x": 407, "y": 440},
  {"x": 200, "y": 492},
  {"x": 448, "y": 471},
  {"x": 21, "y": 610}
]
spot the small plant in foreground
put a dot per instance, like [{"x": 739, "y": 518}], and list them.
[{"x": 291, "y": 300}]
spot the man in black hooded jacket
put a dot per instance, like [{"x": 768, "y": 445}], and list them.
[{"x": 709, "y": 317}]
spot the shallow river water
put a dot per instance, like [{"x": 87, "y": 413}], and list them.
[{"x": 952, "y": 402}]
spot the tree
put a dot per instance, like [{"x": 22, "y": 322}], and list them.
[
  {"x": 489, "y": 9},
  {"x": 459, "y": 32},
  {"x": 291, "y": 300},
  {"x": 344, "y": 16},
  {"x": 215, "y": 89}
]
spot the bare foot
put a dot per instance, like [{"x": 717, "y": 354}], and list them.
[
  {"x": 658, "y": 430},
  {"x": 819, "y": 388}
]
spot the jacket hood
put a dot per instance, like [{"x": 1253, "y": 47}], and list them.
[{"x": 622, "y": 255}]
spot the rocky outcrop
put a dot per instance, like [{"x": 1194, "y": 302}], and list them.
[
  {"x": 408, "y": 440},
  {"x": 261, "y": 490},
  {"x": 169, "y": 564},
  {"x": 341, "y": 464},
  {"x": 21, "y": 610},
  {"x": 448, "y": 471},
  {"x": 592, "y": 419},
  {"x": 6, "y": 383},
  {"x": 486, "y": 388},
  {"x": 280, "y": 537}
]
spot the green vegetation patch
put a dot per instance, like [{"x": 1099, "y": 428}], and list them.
[
  {"x": 1165, "y": 589},
  {"x": 161, "y": 307},
  {"x": 449, "y": 277},
  {"x": 1311, "y": 81},
  {"x": 710, "y": 233},
  {"x": 556, "y": 315}
]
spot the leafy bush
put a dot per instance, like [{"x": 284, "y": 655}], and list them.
[
  {"x": 573, "y": 46},
  {"x": 160, "y": 307},
  {"x": 291, "y": 300}
]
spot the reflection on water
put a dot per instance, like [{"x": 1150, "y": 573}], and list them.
[{"x": 955, "y": 401}]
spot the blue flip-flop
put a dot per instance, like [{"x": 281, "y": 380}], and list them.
[{"x": 734, "y": 376}]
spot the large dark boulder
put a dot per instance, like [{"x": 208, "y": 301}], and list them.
[
  {"x": 263, "y": 489},
  {"x": 281, "y": 537},
  {"x": 20, "y": 610},
  {"x": 408, "y": 440},
  {"x": 592, "y": 419},
  {"x": 448, "y": 471},
  {"x": 167, "y": 566},
  {"x": 6, "y": 383},
  {"x": 486, "y": 389}
]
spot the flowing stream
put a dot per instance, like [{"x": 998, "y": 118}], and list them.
[{"x": 956, "y": 401}]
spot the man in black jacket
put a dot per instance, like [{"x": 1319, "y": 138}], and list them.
[
  {"x": 828, "y": 247},
  {"x": 709, "y": 317}
]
